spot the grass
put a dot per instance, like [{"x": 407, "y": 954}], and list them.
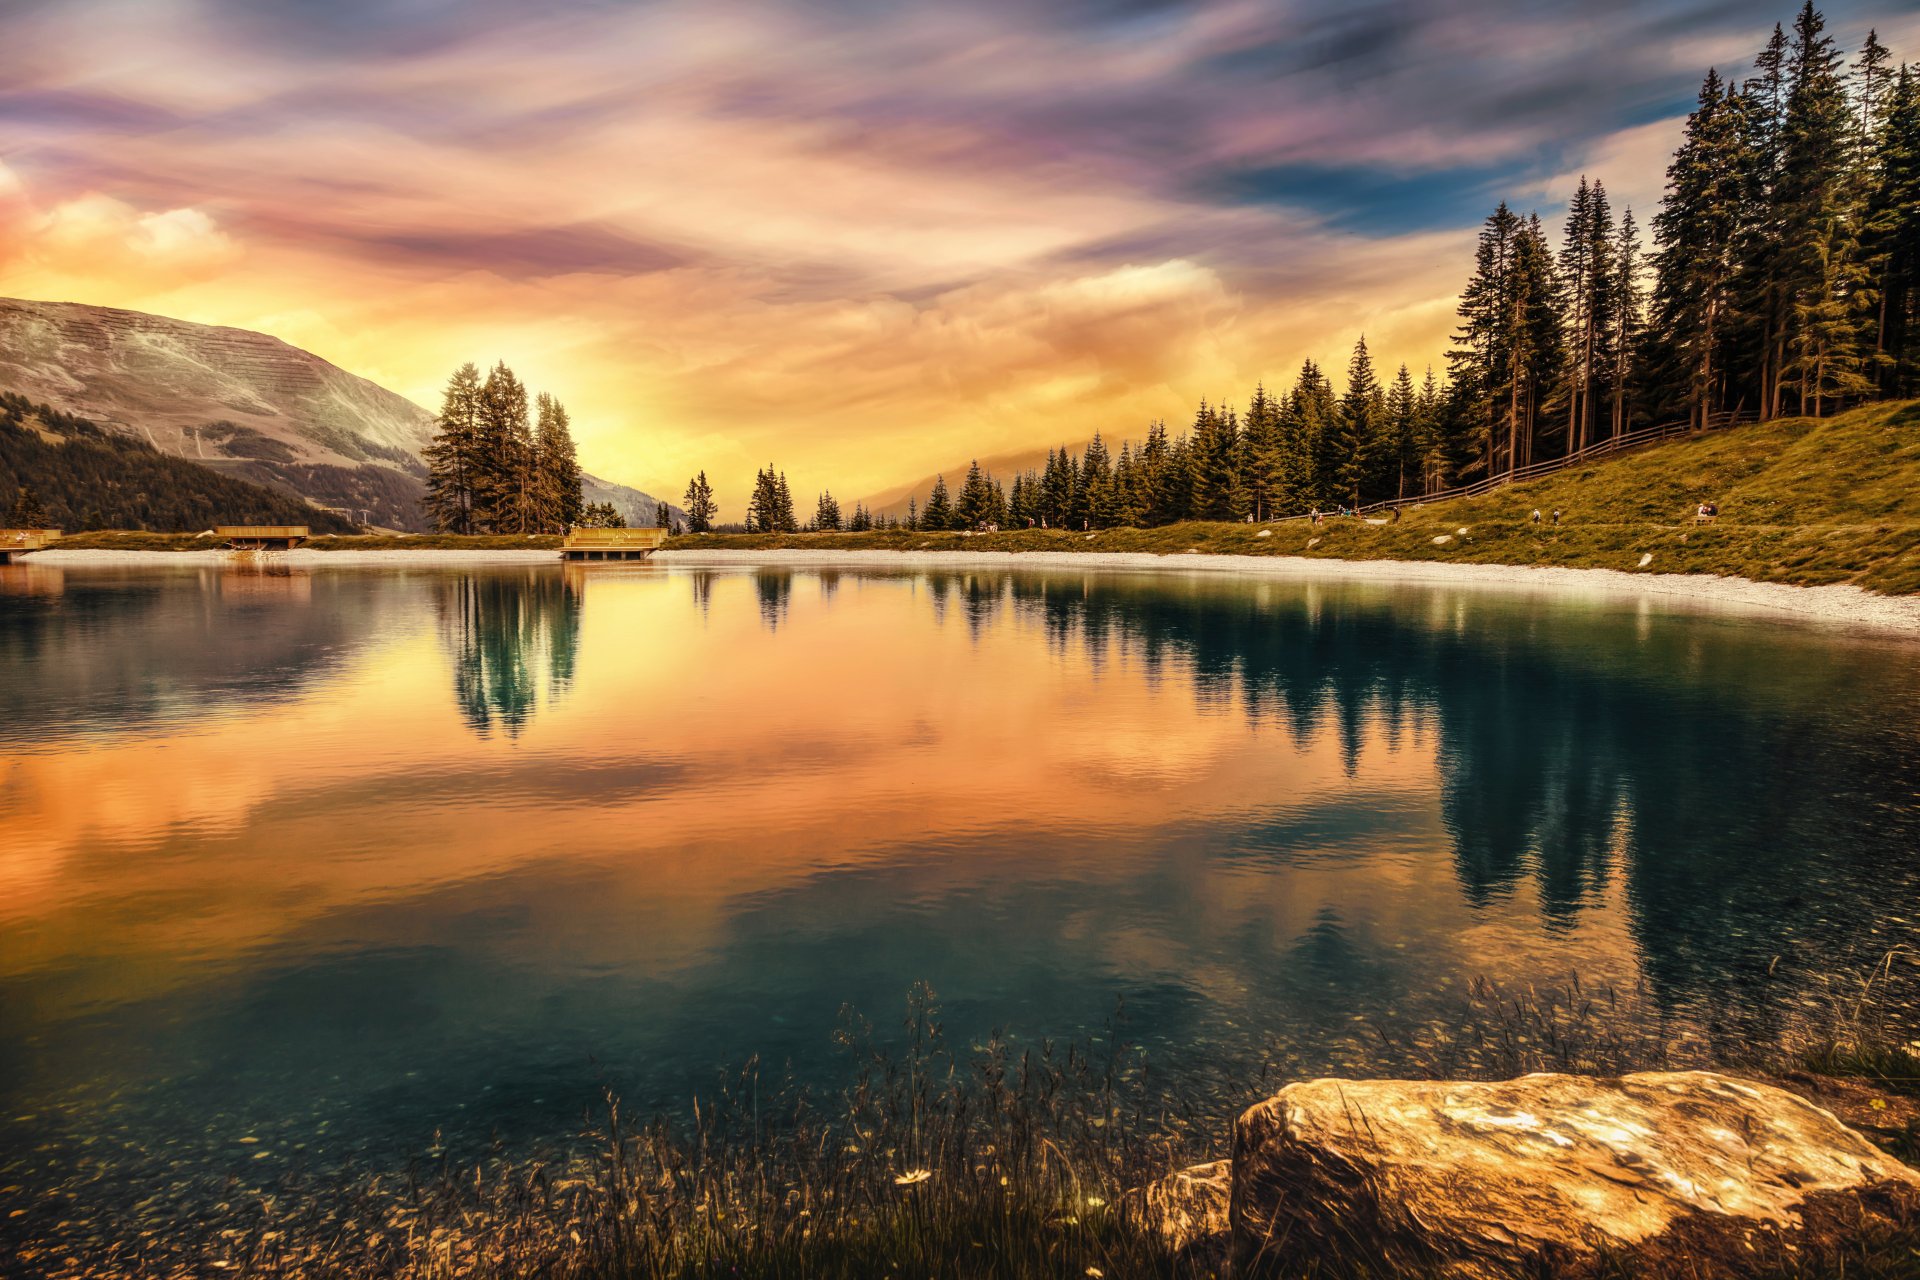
[
  {"x": 1802, "y": 501},
  {"x": 970, "y": 1166}
]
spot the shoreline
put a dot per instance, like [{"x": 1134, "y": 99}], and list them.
[
  {"x": 1837, "y": 605},
  {"x": 1842, "y": 606}
]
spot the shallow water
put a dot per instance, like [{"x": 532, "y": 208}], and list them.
[{"x": 306, "y": 867}]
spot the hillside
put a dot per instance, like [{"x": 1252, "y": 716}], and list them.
[
  {"x": 239, "y": 402},
  {"x": 1801, "y": 500},
  {"x": 89, "y": 478}
]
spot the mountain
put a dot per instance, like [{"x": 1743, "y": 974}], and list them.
[
  {"x": 242, "y": 403},
  {"x": 88, "y": 478}
]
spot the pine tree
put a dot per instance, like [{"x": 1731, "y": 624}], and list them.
[
  {"x": 938, "y": 513},
  {"x": 1095, "y": 509},
  {"x": 1260, "y": 456},
  {"x": 1695, "y": 266},
  {"x": 826, "y": 514},
  {"x": 700, "y": 505},
  {"x": 1306, "y": 421},
  {"x": 558, "y": 491},
  {"x": 453, "y": 464},
  {"x": 1629, "y": 318},
  {"x": 1588, "y": 280},
  {"x": 1402, "y": 437},
  {"x": 786, "y": 520},
  {"x": 1356, "y": 428},
  {"x": 1818, "y": 197},
  {"x": 975, "y": 508},
  {"x": 504, "y": 455},
  {"x": 1892, "y": 238}
]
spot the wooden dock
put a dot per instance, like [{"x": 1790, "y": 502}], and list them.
[
  {"x": 15, "y": 543},
  {"x": 611, "y": 544},
  {"x": 261, "y": 537}
]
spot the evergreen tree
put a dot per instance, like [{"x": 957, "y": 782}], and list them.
[
  {"x": 1892, "y": 238},
  {"x": 1629, "y": 318},
  {"x": 1353, "y": 443},
  {"x": 1095, "y": 509},
  {"x": 1818, "y": 195},
  {"x": 505, "y": 456},
  {"x": 826, "y": 514},
  {"x": 1402, "y": 437},
  {"x": 976, "y": 504},
  {"x": 453, "y": 464},
  {"x": 1696, "y": 230},
  {"x": 938, "y": 513},
  {"x": 786, "y": 520},
  {"x": 558, "y": 495},
  {"x": 700, "y": 505},
  {"x": 1588, "y": 280},
  {"x": 1260, "y": 459}
]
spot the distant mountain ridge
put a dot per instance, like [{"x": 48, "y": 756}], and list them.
[{"x": 243, "y": 403}]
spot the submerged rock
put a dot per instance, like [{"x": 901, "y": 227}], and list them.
[{"x": 1554, "y": 1174}]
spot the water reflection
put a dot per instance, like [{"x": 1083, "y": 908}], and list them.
[
  {"x": 512, "y": 638},
  {"x": 255, "y": 862}
]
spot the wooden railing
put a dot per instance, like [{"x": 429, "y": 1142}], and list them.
[
  {"x": 645, "y": 538},
  {"x": 1599, "y": 449}
]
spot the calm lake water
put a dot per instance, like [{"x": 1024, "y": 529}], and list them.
[{"x": 334, "y": 862}]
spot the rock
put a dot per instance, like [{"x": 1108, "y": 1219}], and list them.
[
  {"x": 1646, "y": 559},
  {"x": 1264, "y": 533},
  {"x": 1187, "y": 1210},
  {"x": 1443, "y": 540},
  {"x": 1551, "y": 1174}
]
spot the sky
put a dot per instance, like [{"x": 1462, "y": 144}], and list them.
[{"x": 856, "y": 240}]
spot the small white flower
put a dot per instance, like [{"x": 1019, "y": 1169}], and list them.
[{"x": 912, "y": 1178}]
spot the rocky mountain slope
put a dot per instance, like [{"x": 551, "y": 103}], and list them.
[{"x": 239, "y": 402}]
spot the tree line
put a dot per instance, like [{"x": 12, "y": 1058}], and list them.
[
  {"x": 500, "y": 464},
  {"x": 1783, "y": 277}
]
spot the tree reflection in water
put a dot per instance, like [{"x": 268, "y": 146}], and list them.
[{"x": 510, "y": 635}]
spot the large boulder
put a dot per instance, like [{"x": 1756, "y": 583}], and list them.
[{"x": 1551, "y": 1174}]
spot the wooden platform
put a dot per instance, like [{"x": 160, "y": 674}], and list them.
[
  {"x": 261, "y": 537},
  {"x": 611, "y": 544},
  {"x": 15, "y": 543}
]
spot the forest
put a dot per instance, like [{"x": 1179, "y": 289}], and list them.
[
  {"x": 1783, "y": 278},
  {"x": 65, "y": 472}
]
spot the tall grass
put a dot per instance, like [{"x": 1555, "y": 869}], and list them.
[{"x": 942, "y": 1162}]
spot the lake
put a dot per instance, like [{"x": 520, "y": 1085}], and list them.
[{"x": 307, "y": 868}]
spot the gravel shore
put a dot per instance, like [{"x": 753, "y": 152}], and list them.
[{"x": 1841, "y": 606}]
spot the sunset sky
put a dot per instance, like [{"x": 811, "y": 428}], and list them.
[{"x": 859, "y": 240}]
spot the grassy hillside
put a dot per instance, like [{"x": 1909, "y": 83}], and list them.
[
  {"x": 89, "y": 478},
  {"x": 1801, "y": 500}
]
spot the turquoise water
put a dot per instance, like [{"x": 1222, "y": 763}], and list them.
[{"x": 301, "y": 869}]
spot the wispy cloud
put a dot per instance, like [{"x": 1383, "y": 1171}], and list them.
[{"x": 856, "y": 237}]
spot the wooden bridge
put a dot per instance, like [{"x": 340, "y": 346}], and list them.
[
  {"x": 15, "y": 543},
  {"x": 261, "y": 537},
  {"x": 611, "y": 544}
]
